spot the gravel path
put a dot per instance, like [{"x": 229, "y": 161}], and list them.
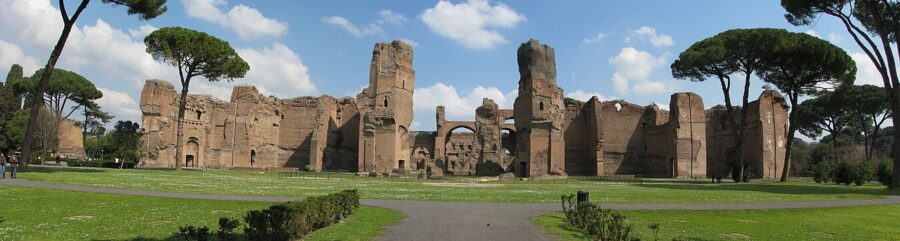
[{"x": 427, "y": 220}]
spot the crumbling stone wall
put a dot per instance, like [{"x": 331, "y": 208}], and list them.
[
  {"x": 550, "y": 135},
  {"x": 539, "y": 113},
  {"x": 387, "y": 111},
  {"x": 765, "y": 137},
  {"x": 71, "y": 142}
]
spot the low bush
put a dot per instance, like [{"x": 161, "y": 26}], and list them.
[
  {"x": 191, "y": 233},
  {"x": 884, "y": 171},
  {"x": 226, "y": 229},
  {"x": 861, "y": 173},
  {"x": 823, "y": 171},
  {"x": 841, "y": 173},
  {"x": 293, "y": 220},
  {"x": 595, "y": 222}
]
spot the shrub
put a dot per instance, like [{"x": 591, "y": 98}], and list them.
[
  {"x": 884, "y": 171},
  {"x": 823, "y": 171},
  {"x": 192, "y": 233},
  {"x": 226, "y": 229},
  {"x": 595, "y": 222},
  {"x": 861, "y": 173},
  {"x": 841, "y": 173},
  {"x": 293, "y": 220}
]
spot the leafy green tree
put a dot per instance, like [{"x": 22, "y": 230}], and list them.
[
  {"x": 797, "y": 68},
  {"x": 145, "y": 9},
  {"x": 736, "y": 51},
  {"x": 95, "y": 120},
  {"x": 828, "y": 112},
  {"x": 873, "y": 26},
  {"x": 64, "y": 88},
  {"x": 126, "y": 141},
  {"x": 195, "y": 54},
  {"x": 10, "y": 103},
  {"x": 870, "y": 110}
]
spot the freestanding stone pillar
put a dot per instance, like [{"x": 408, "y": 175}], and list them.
[{"x": 539, "y": 112}]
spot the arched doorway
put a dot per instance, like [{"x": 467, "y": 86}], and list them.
[
  {"x": 252, "y": 157},
  {"x": 192, "y": 153}
]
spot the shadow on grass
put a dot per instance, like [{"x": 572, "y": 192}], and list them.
[
  {"x": 60, "y": 169},
  {"x": 779, "y": 188},
  {"x": 173, "y": 237}
]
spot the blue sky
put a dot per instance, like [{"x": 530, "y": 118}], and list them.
[{"x": 464, "y": 50}]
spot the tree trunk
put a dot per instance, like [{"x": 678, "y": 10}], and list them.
[
  {"x": 895, "y": 147},
  {"x": 179, "y": 146},
  {"x": 792, "y": 128},
  {"x": 37, "y": 98}
]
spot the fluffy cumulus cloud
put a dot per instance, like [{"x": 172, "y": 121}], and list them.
[
  {"x": 656, "y": 39},
  {"x": 278, "y": 70},
  {"x": 459, "y": 105},
  {"x": 385, "y": 17},
  {"x": 473, "y": 24},
  {"x": 632, "y": 72},
  {"x": 246, "y": 22},
  {"x": 585, "y": 96},
  {"x": 142, "y": 31},
  {"x": 11, "y": 54},
  {"x": 119, "y": 104}
]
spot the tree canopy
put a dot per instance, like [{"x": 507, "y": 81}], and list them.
[
  {"x": 828, "y": 112},
  {"x": 196, "y": 53},
  {"x": 64, "y": 88}
]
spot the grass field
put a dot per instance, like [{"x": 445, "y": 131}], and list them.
[
  {"x": 42, "y": 214},
  {"x": 855, "y": 223},
  {"x": 230, "y": 182}
]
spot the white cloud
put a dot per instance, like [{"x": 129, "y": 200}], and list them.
[
  {"x": 142, "y": 31},
  {"x": 585, "y": 96},
  {"x": 458, "y": 105},
  {"x": 661, "y": 106},
  {"x": 866, "y": 73},
  {"x": 388, "y": 16},
  {"x": 352, "y": 28},
  {"x": 649, "y": 87},
  {"x": 385, "y": 17},
  {"x": 657, "y": 40},
  {"x": 473, "y": 23},
  {"x": 277, "y": 70},
  {"x": 11, "y": 54},
  {"x": 247, "y": 22},
  {"x": 634, "y": 65},
  {"x": 119, "y": 104},
  {"x": 594, "y": 39},
  {"x": 835, "y": 38}
]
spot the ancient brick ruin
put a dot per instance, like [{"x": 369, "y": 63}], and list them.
[{"x": 544, "y": 133}]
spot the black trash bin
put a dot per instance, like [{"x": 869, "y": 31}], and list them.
[{"x": 582, "y": 197}]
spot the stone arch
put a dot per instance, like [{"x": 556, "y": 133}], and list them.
[{"x": 192, "y": 153}]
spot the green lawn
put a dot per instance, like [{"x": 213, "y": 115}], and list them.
[
  {"x": 854, "y": 223},
  {"x": 229, "y": 182},
  {"x": 43, "y": 214}
]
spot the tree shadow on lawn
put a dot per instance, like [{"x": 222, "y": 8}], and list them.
[{"x": 779, "y": 188}]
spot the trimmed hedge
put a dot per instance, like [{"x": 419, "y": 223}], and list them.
[
  {"x": 293, "y": 220},
  {"x": 595, "y": 222}
]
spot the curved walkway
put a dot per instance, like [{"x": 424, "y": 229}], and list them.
[{"x": 427, "y": 220}]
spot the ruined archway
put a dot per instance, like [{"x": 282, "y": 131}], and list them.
[{"x": 192, "y": 153}]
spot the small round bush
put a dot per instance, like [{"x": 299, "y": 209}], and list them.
[
  {"x": 841, "y": 173},
  {"x": 861, "y": 173}
]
